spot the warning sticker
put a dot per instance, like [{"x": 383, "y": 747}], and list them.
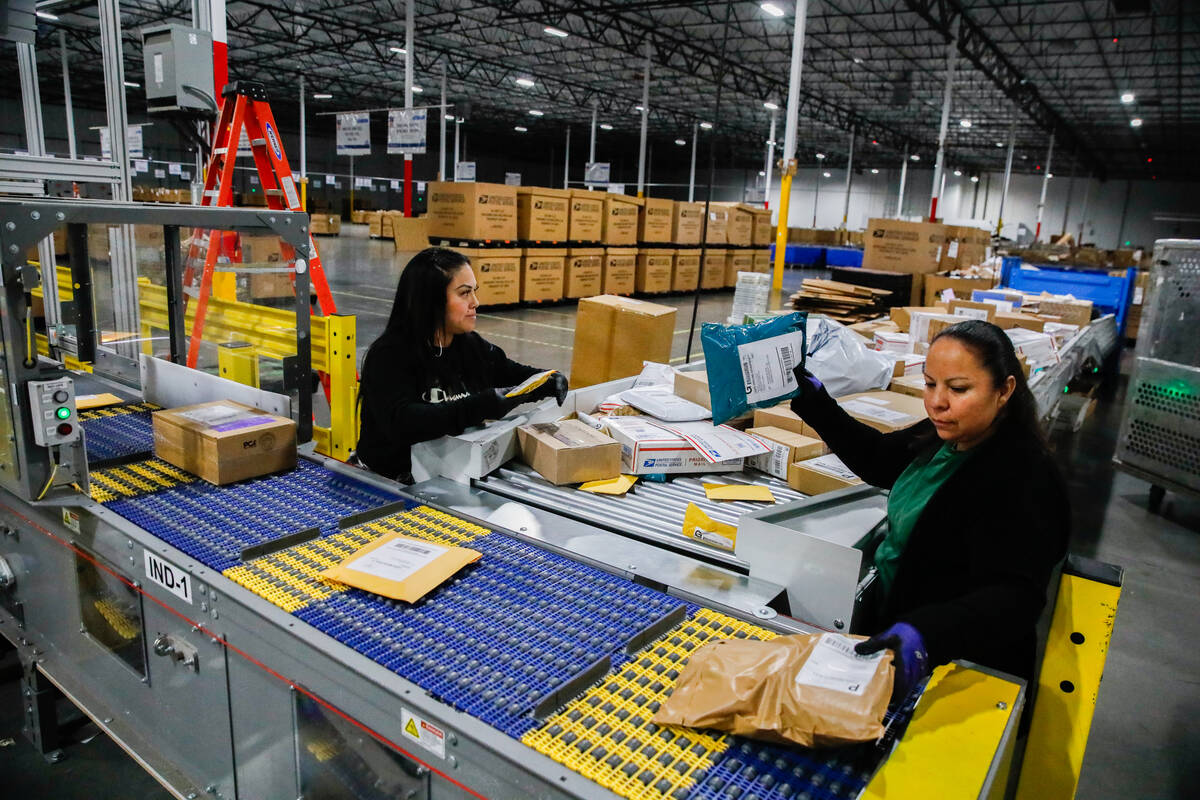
[{"x": 423, "y": 732}]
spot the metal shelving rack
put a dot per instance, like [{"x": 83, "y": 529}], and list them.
[{"x": 1160, "y": 431}]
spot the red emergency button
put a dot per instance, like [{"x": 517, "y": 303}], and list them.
[{"x": 65, "y": 429}]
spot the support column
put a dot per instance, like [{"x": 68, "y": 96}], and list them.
[
  {"x": 592, "y": 142},
  {"x": 62, "y": 49},
  {"x": 641, "y": 190},
  {"x": 1124, "y": 215},
  {"x": 408, "y": 93},
  {"x": 303, "y": 149},
  {"x": 903, "y": 179},
  {"x": 1012, "y": 133},
  {"x": 791, "y": 123},
  {"x": 457, "y": 139},
  {"x": 817, "y": 194},
  {"x": 939, "y": 165},
  {"x": 692, "y": 177},
  {"x": 124, "y": 267},
  {"x": 849, "y": 173},
  {"x": 1037, "y": 234},
  {"x": 975, "y": 197},
  {"x": 770, "y": 163},
  {"x": 442, "y": 128},
  {"x": 1087, "y": 193},
  {"x": 567, "y": 161},
  {"x": 1070, "y": 191}
]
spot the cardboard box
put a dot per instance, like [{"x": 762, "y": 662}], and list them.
[
  {"x": 925, "y": 325},
  {"x": 914, "y": 247},
  {"x": 325, "y": 224},
  {"x": 902, "y": 315},
  {"x": 762, "y": 261},
  {"x": 620, "y": 270},
  {"x": 569, "y": 451},
  {"x": 1071, "y": 312},
  {"x": 356, "y": 217},
  {"x": 542, "y": 274},
  {"x": 764, "y": 231},
  {"x": 620, "y": 219},
  {"x": 823, "y": 474},
  {"x": 498, "y": 273},
  {"x": 543, "y": 215},
  {"x": 654, "y": 220},
  {"x": 586, "y": 221},
  {"x": 782, "y": 417},
  {"x": 972, "y": 310},
  {"x": 693, "y": 386},
  {"x": 883, "y": 411},
  {"x": 385, "y": 223},
  {"x": 483, "y": 211},
  {"x": 263, "y": 250},
  {"x": 654, "y": 270},
  {"x": 687, "y": 271},
  {"x": 787, "y": 447},
  {"x": 584, "y": 272},
  {"x": 966, "y": 246},
  {"x": 686, "y": 223},
  {"x": 1015, "y": 319},
  {"x": 374, "y": 220},
  {"x": 911, "y": 385},
  {"x": 962, "y": 287},
  {"x": 410, "y": 234},
  {"x": 224, "y": 441},
  {"x": 739, "y": 228},
  {"x": 647, "y": 449},
  {"x": 614, "y": 335},
  {"x": 737, "y": 261},
  {"x": 718, "y": 225},
  {"x": 712, "y": 272}
]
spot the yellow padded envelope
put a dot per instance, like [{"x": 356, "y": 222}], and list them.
[
  {"x": 85, "y": 401},
  {"x": 738, "y": 491},
  {"x": 618, "y": 485},
  {"x": 531, "y": 383},
  {"x": 401, "y": 567}
]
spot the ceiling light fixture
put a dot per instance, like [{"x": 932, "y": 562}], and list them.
[
  {"x": 826, "y": 174},
  {"x": 559, "y": 32},
  {"x": 974, "y": 179},
  {"x": 1128, "y": 97},
  {"x": 47, "y": 15},
  {"x": 450, "y": 117},
  {"x": 820, "y": 156},
  {"x": 520, "y": 129},
  {"x": 417, "y": 89},
  {"x": 135, "y": 85},
  {"x": 914, "y": 157},
  {"x": 322, "y": 96},
  {"x": 528, "y": 83},
  {"x": 965, "y": 123},
  {"x": 681, "y": 142},
  {"x": 1136, "y": 122},
  {"x": 639, "y": 109},
  {"x": 999, "y": 144},
  {"x": 536, "y": 112},
  {"x": 857, "y": 60},
  {"x": 874, "y": 172},
  {"x": 1049, "y": 175},
  {"x": 772, "y": 9},
  {"x": 706, "y": 125},
  {"x": 399, "y": 50},
  {"x": 762, "y": 174},
  {"x": 958, "y": 173},
  {"x": 771, "y": 106},
  {"x": 604, "y": 126}
]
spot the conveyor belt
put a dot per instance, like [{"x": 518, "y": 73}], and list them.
[{"x": 118, "y": 432}]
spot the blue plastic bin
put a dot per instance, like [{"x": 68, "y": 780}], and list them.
[{"x": 1111, "y": 294}]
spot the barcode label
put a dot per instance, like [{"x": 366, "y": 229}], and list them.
[
  {"x": 396, "y": 559},
  {"x": 767, "y": 366}
]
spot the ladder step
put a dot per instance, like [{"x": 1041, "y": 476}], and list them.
[
  {"x": 220, "y": 151},
  {"x": 258, "y": 142},
  {"x": 274, "y": 193}
]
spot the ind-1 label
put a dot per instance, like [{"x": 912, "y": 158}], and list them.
[{"x": 169, "y": 576}]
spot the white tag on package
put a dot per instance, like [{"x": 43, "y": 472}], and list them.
[
  {"x": 717, "y": 443},
  {"x": 767, "y": 366},
  {"x": 397, "y": 560},
  {"x": 833, "y": 664}
]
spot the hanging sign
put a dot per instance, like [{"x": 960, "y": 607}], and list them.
[
  {"x": 133, "y": 141},
  {"x": 185, "y": 174},
  {"x": 406, "y": 131},
  {"x": 353, "y": 134},
  {"x": 616, "y": 188},
  {"x": 512, "y": 178},
  {"x": 597, "y": 172},
  {"x": 331, "y": 179},
  {"x": 395, "y": 185},
  {"x": 105, "y": 145},
  {"x": 175, "y": 169},
  {"x": 160, "y": 173},
  {"x": 465, "y": 171},
  {"x": 141, "y": 166}
]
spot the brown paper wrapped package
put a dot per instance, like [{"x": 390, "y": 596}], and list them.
[{"x": 749, "y": 688}]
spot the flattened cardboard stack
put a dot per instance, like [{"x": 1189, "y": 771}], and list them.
[{"x": 843, "y": 302}]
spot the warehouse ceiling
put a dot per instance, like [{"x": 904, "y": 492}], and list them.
[{"x": 874, "y": 67}]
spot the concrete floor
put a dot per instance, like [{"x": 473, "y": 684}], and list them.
[{"x": 1146, "y": 731}]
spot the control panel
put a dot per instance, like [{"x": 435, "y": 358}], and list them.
[{"x": 52, "y": 405}]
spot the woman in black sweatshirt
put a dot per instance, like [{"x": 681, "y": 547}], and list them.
[
  {"x": 978, "y": 512},
  {"x": 429, "y": 374}
]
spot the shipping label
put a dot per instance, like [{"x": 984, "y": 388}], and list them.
[
  {"x": 767, "y": 366},
  {"x": 833, "y": 664}
]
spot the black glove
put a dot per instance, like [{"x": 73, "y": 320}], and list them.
[
  {"x": 912, "y": 660},
  {"x": 810, "y": 387},
  {"x": 505, "y": 404},
  {"x": 555, "y": 386}
]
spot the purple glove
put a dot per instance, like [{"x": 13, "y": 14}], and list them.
[
  {"x": 810, "y": 387},
  {"x": 913, "y": 662}
]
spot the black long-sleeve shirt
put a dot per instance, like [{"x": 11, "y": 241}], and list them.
[
  {"x": 407, "y": 398},
  {"x": 974, "y": 574}
]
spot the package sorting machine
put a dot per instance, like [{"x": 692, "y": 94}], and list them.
[{"x": 189, "y": 621}]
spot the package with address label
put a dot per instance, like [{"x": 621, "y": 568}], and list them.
[
  {"x": 224, "y": 441},
  {"x": 752, "y": 366},
  {"x": 401, "y": 567},
  {"x": 806, "y": 689},
  {"x": 569, "y": 451}
]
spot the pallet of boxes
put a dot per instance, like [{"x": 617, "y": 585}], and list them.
[
  {"x": 479, "y": 220},
  {"x": 322, "y": 223}
]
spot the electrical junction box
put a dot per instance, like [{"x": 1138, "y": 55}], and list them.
[
  {"x": 52, "y": 408},
  {"x": 178, "y": 64}
]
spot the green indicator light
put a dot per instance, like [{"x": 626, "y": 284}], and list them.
[{"x": 63, "y": 412}]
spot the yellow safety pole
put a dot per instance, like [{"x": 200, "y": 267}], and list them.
[
  {"x": 304, "y": 194},
  {"x": 781, "y": 230}
]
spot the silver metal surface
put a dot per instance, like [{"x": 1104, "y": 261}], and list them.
[
  {"x": 41, "y": 168},
  {"x": 688, "y": 578},
  {"x": 812, "y": 547},
  {"x": 1095, "y": 341},
  {"x": 650, "y": 511},
  {"x": 171, "y": 385},
  {"x": 1160, "y": 429}
]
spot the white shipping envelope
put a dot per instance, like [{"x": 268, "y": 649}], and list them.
[
  {"x": 662, "y": 403},
  {"x": 717, "y": 442}
]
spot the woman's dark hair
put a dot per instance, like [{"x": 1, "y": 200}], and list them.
[
  {"x": 997, "y": 355},
  {"x": 419, "y": 309}
]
